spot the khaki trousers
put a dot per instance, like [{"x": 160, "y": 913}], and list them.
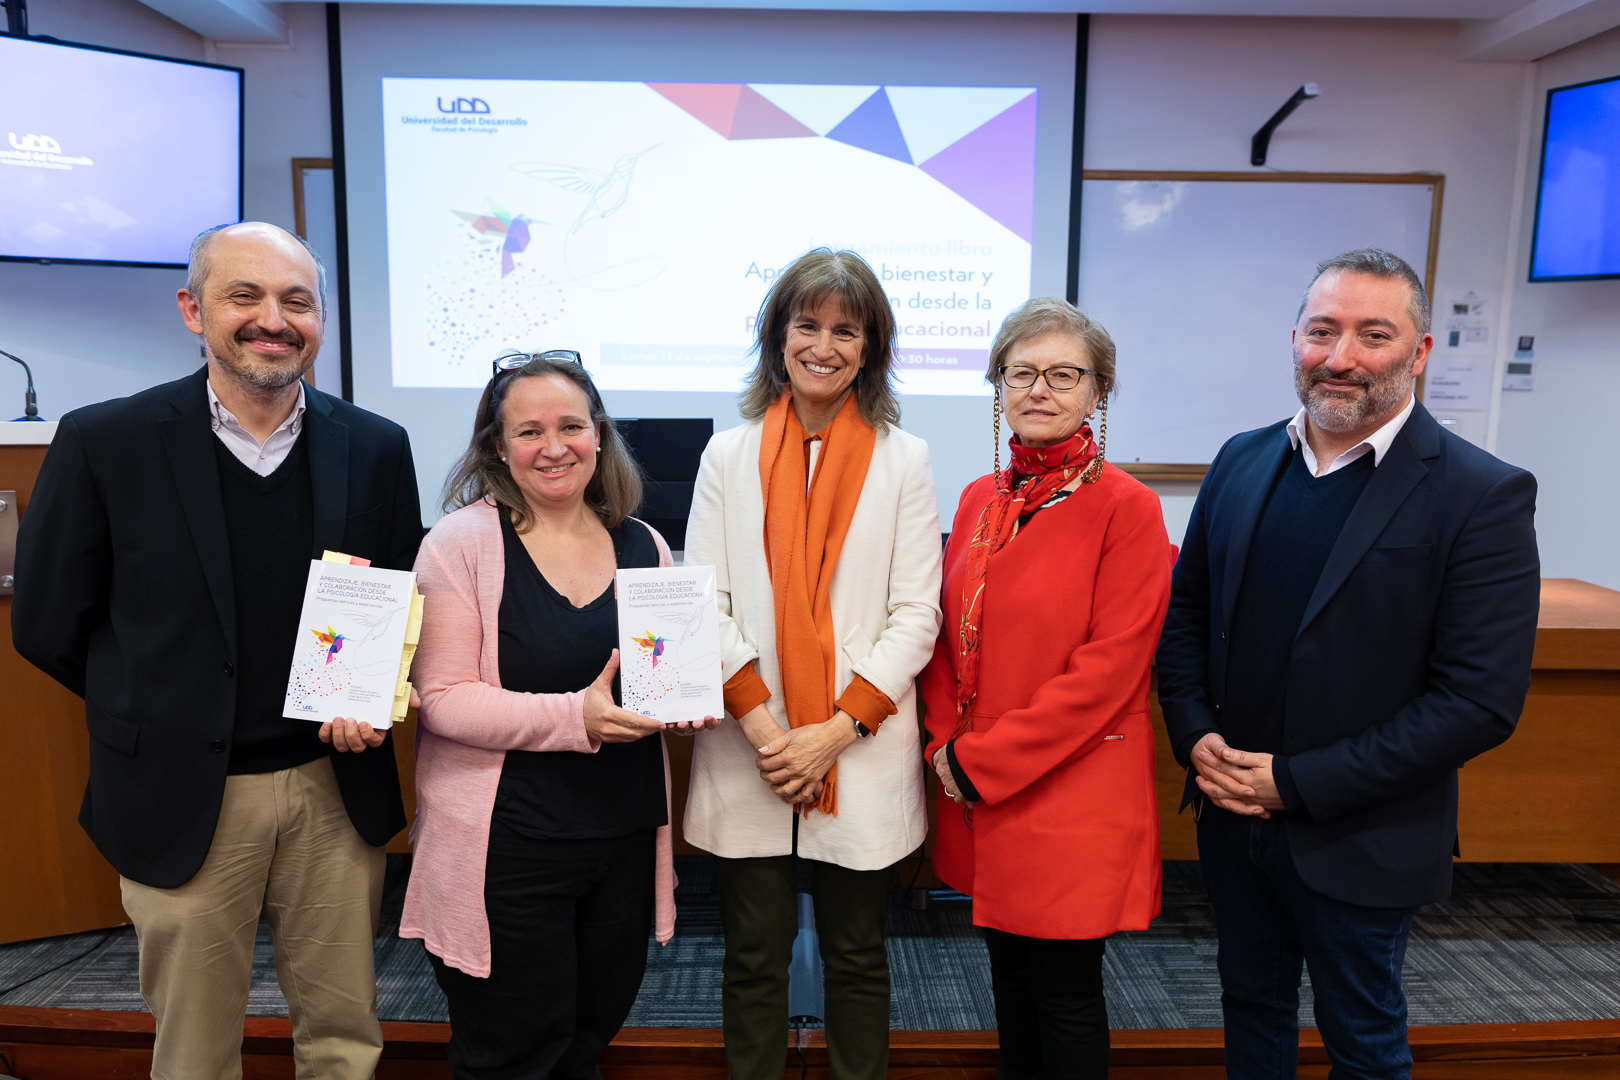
[{"x": 284, "y": 844}]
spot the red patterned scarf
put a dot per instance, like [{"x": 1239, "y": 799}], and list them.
[{"x": 1033, "y": 476}]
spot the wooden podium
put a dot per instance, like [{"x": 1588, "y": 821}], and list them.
[{"x": 55, "y": 881}]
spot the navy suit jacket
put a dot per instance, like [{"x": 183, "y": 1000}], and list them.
[
  {"x": 1412, "y": 657},
  {"x": 125, "y": 597}
]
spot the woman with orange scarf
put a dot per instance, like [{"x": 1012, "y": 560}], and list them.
[
  {"x": 1057, "y": 577},
  {"x": 820, "y": 519}
]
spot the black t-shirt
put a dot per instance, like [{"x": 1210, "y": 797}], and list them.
[{"x": 549, "y": 646}]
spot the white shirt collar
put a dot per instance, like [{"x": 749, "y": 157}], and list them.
[
  {"x": 223, "y": 417},
  {"x": 1378, "y": 443}
]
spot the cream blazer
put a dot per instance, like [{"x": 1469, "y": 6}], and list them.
[{"x": 885, "y": 607}]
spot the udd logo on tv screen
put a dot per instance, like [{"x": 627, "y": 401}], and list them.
[{"x": 38, "y": 152}]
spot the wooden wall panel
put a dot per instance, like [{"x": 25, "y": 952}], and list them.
[
  {"x": 55, "y": 881},
  {"x": 1549, "y": 793},
  {"x": 1178, "y": 833},
  {"x": 405, "y": 756}
]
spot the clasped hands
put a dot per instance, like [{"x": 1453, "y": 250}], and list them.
[
  {"x": 1235, "y": 780},
  {"x": 795, "y": 762}
]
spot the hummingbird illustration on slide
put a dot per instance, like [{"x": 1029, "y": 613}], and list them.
[
  {"x": 608, "y": 193},
  {"x": 607, "y": 190}
]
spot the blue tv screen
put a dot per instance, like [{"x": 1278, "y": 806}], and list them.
[
  {"x": 1578, "y": 205},
  {"x": 114, "y": 157}
]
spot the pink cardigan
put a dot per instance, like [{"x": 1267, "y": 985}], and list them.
[{"x": 464, "y": 728}]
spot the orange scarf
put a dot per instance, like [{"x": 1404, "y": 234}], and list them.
[{"x": 804, "y": 533}]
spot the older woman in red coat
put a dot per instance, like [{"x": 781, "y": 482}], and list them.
[{"x": 1056, "y": 580}]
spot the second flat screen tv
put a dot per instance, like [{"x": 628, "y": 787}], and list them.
[
  {"x": 1578, "y": 203},
  {"x": 114, "y": 157}
]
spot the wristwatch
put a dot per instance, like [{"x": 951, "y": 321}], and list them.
[{"x": 861, "y": 730}]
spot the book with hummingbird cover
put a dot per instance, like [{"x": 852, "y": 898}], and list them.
[
  {"x": 356, "y": 637},
  {"x": 669, "y": 643}
]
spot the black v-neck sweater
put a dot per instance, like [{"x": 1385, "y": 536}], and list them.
[
  {"x": 270, "y": 522},
  {"x": 1291, "y": 544}
]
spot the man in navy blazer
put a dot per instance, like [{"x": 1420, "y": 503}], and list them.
[{"x": 1351, "y": 619}]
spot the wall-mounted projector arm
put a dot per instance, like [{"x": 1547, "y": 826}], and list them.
[
  {"x": 30, "y": 408},
  {"x": 1262, "y": 138}
]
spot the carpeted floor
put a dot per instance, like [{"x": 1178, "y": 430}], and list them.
[{"x": 1515, "y": 943}]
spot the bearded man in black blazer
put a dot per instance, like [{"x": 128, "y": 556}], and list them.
[
  {"x": 161, "y": 569},
  {"x": 1351, "y": 619}
]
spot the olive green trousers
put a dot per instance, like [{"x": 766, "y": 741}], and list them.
[{"x": 759, "y": 912}]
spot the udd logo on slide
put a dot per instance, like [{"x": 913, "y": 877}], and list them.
[
  {"x": 475, "y": 106},
  {"x": 38, "y": 152},
  {"x": 41, "y": 143}
]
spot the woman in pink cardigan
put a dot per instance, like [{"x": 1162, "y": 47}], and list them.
[{"x": 542, "y": 824}]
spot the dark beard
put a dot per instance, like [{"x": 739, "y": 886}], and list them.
[{"x": 1337, "y": 412}]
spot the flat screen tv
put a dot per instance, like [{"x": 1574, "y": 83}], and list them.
[
  {"x": 114, "y": 157},
  {"x": 1578, "y": 202}
]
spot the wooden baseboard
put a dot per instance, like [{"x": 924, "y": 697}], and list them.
[{"x": 71, "y": 1044}]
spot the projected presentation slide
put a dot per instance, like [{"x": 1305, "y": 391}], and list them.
[
  {"x": 642, "y": 223},
  {"x": 114, "y": 158},
  {"x": 1578, "y": 212}
]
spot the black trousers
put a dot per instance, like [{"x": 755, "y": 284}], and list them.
[
  {"x": 568, "y": 927},
  {"x": 1050, "y": 1012},
  {"x": 760, "y": 914}
]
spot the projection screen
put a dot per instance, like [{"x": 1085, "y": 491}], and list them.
[{"x": 628, "y": 183}]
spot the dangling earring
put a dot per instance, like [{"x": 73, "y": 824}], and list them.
[
  {"x": 995, "y": 411},
  {"x": 1102, "y": 437}
]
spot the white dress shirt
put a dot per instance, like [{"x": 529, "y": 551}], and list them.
[
  {"x": 266, "y": 458},
  {"x": 1378, "y": 443}
]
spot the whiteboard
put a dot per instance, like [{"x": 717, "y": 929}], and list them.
[{"x": 1199, "y": 283}]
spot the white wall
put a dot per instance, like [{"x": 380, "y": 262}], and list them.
[
  {"x": 1563, "y": 430},
  {"x": 1163, "y": 93},
  {"x": 96, "y": 332},
  {"x": 1175, "y": 93}
]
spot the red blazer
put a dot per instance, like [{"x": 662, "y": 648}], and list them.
[{"x": 1064, "y": 842}]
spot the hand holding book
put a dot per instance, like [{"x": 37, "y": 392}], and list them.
[
  {"x": 607, "y": 722},
  {"x": 346, "y": 734}
]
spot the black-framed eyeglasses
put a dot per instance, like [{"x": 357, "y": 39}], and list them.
[
  {"x": 515, "y": 360},
  {"x": 1058, "y": 378}
]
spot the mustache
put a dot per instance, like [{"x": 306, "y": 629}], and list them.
[
  {"x": 254, "y": 333},
  {"x": 1322, "y": 375}
]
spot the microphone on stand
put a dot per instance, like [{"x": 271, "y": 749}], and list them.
[{"x": 31, "y": 409}]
